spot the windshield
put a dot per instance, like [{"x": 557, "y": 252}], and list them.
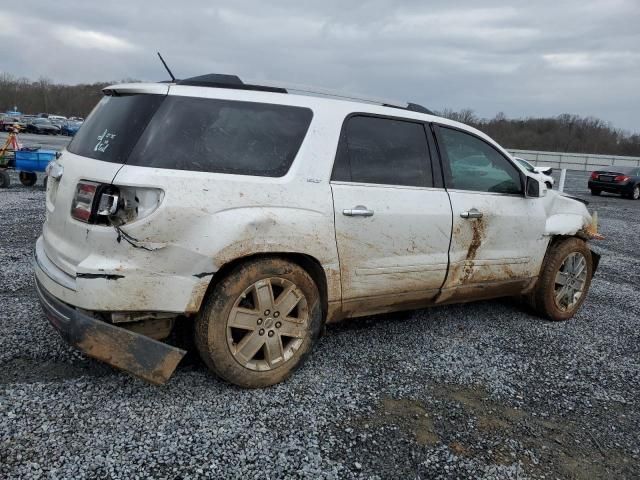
[{"x": 527, "y": 166}]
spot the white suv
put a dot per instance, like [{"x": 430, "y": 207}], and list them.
[{"x": 261, "y": 214}]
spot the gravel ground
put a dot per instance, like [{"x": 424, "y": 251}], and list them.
[{"x": 483, "y": 390}]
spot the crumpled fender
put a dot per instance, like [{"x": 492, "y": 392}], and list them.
[{"x": 565, "y": 216}]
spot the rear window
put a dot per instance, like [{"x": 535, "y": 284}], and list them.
[
  {"x": 114, "y": 126},
  {"x": 211, "y": 135}
]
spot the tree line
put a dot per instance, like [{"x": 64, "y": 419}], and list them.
[
  {"x": 44, "y": 96},
  {"x": 564, "y": 133}
]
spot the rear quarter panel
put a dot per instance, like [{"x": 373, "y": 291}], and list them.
[{"x": 207, "y": 219}]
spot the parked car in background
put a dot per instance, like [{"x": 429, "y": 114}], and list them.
[
  {"x": 57, "y": 118},
  {"x": 262, "y": 214},
  {"x": 42, "y": 126},
  {"x": 70, "y": 128},
  {"x": 542, "y": 173},
  {"x": 57, "y": 122},
  {"x": 623, "y": 181},
  {"x": 8, "y": 123}
]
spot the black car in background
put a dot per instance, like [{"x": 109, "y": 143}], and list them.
[
  {"x": 621, "y": 180},
  {"x": 42, "y": 125}
]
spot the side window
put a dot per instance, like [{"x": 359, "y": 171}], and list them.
[
  {"x": 476, "y": 165},
  {"x": 383, "y": 151}
]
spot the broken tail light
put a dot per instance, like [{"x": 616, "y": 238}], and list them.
[
  {"x": 82, "y": 206},
  {"x": 103, "y": 204}
]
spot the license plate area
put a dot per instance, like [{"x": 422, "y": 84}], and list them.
[{"x": 606, "y": 178}]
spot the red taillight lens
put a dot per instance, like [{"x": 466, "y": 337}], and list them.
[
  {"x": 621, "y": 178},
  {"x": 594, "y": 176},
  {"x": 82, "y": 206}
]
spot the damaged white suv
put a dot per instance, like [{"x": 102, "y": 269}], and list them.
[{"x": 261, "y": 213}]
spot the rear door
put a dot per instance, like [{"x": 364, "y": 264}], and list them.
[
  {"x": 393, "y": 223},
  {"x": 497, "y": 241}
]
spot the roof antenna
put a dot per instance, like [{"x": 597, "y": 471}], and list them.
[{"x": 173, "y": 79}]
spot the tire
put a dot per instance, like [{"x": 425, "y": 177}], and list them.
[
  {"x": 548, "y": 288},
  {"x": 549, "y": 186},
  {"x": 595, "y": 192},
  {"x": 5, "y": 179},
  {"x": 28, "y": 179},
  {"x": 635, "y": 193},
  {"x": 255, "y": 352},
  {"x": 44, "y": 182}
]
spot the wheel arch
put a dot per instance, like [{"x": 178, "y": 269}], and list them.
[
  {"x": 555, "y": 239},
  {"x": 309, "y": 263}
]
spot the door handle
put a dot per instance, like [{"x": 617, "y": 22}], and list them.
[
  {"x": 473, "y": 213},
  {"x": 358, "y": 211}
]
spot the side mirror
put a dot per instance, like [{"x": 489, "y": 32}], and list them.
[{"x": 535, "y": 188}]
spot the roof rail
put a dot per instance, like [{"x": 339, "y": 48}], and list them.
[
  {"x": 323, "y": 92},
  {"x": 217, "y": 80}
]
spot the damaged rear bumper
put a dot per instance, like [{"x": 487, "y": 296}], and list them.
[{"x": 137, "y": 354}]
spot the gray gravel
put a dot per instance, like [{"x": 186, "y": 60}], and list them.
[{"x": 483, "y": 390}]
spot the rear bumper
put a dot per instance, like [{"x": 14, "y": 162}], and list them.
[
  {"x": 109, "y": 283},
  {"x": 611, "y": 187},
  {"x": 134, "y": 353}
]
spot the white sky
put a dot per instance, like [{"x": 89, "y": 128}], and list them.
[{"x": 524, "y": 58}]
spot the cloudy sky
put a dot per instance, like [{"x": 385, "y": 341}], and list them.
[{"x": 524, "y": 58}]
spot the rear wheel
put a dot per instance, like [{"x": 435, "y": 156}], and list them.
[
  {"x": 5, "y": 179},
  {"x": 259, "y": 323},
  {"x": 564, "y": 280},
  {"x": 548, "y": 184},
  {"x": 28, "y": 179},
  {"x": 595, "y": 191},
  {"x": 635, "y": 193}
]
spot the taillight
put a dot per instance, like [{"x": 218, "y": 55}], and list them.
[
  {"x": 82, "y": 206},
  {"x": 104, "y": 204},
  {"x": 594, "y": 176},
  {"x": 621, "y": 178}
]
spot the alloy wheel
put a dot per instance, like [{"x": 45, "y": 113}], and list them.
[
  {"x": 267, "y": 324},
  {"x": 570, "y": 281}
]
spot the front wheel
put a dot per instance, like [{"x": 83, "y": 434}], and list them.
[
  {"x": 259, "y": 322},
  {"x": 28, "y": 179},
  {"x": 564, "y": 280}
]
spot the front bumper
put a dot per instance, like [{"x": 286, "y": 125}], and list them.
[{"x": 137, "y": 354}]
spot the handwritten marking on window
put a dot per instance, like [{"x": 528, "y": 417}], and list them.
[{"x": 103, "y": 141}]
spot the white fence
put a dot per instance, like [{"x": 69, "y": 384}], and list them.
[{"x": 575, "y": 161}]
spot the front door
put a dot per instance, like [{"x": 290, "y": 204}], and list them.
[
  {"x": 392, "y": 226},
  {"x": 497, "y": 243}
]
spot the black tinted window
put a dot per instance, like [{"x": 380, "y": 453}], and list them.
[
  {"x": 384, "y": 151},
  {"x": 114, "y": 126},
  {"x": 222, "y": 136},
  {"x": 476, "y": 165}
]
